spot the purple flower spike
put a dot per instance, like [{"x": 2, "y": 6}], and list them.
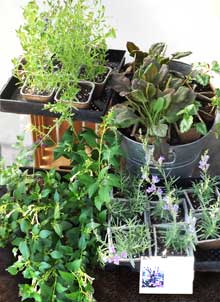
[
  {"x": 203, "y": 164},
  {"x": 155, "y": 179},
  {"x": 124, "y": 254}
]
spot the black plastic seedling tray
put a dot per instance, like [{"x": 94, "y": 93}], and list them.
[{"x": 12, "y": 102}]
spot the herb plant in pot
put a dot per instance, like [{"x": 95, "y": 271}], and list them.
[
  {"x": 164, "y": 99},
  {"x": 81, "y": 52},
  {"x": 128, "y": 230},
  {"x": 204, "y": 204},
  {"x": 35, "y": 71}
]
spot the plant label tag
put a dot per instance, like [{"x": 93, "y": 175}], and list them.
[{"x": 170, "y": 275}]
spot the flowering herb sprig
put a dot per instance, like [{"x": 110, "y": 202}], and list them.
[
  {"x": 204, "y": 190},
  {"x": 114, "y": 256}
]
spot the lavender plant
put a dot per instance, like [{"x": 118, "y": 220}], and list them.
[
  {"x": 165, "y": 203},
  {"x": 204, "y": 190},
  {"x": 128, "y": 240}
]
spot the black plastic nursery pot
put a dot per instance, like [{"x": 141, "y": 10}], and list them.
[{"x": 11, "y": 100}]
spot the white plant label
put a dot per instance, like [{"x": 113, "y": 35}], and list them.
[{"x": 170, "y": 275}]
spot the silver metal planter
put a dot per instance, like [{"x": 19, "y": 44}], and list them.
[{"x": 183, "y": 159}]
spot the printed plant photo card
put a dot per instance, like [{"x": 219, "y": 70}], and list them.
[{"x": 170, "y": 275}]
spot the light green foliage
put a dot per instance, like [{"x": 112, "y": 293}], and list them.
[
  {"x": 130, "y": 200},
  {"x": 132, "y": 236},
  {"x": 59, "y": 41},
  {"x": 178, "y": 237},
  {"x": 208, "y": 225}
]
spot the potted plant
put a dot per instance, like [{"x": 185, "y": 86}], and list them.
[
  {"x": 164, "y": 99},
  {"x": 166, "y": 204},
  {"x": 50, "y": 218},
  {"x": 81, "y": 52},
  {"x": 204, "y": 204},
  {"x": 55, "y": 55},
  {"x": 125, "y": 242},
  {"x": 204, "y": 192},
  {"x": 77, "y": 96},
  {"x": 174, "y": 239},
  {"x": 35, "y": 69}
]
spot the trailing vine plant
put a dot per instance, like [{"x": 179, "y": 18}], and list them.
[{"x": 51, "y": 218}]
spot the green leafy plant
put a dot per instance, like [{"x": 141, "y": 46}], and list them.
[
  {"x": 59, "y": 41},
  {"x": 51, "y": 219},
  {"x": 159, "y": 97},
  {"x": 36, "y": 67}
]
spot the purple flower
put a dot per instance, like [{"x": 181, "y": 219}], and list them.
[
  {"x": 160, "y": 160},
  {"x": 155, "y": 179},
  {"x": 116, "y": 259},
  {"x": 112, "y": 249},
  {"x": 203, "y": 164},
  {"x": 151, "y": 189},
  {"x": 124, "y": 254}
]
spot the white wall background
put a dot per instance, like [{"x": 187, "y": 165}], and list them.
[{"x": 184, "y": 25}]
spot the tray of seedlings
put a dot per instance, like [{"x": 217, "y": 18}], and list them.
[
  {"x": 173, "y": 216},
  {"x": 13, "y": 97}
]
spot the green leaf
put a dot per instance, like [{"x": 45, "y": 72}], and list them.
[
  {"x": 24, "y": 225},
  {"x": 74, "y": 265},
  {"x": 60, "y": 288},
  {"x": 12, "y": 270},
  {"x": 44, "y": 234},
  {"x": 104, "y": 193},
  {"x": 56, "y": 255},
  {"x": 179, "y": 55},
  {"x": 201, "y": 128},
  {"x": 98, "y": 203},
  {"x": 66, "y": 276},
  {"x": 92, "y": 189},
  {"x": 23, "y": 247},
  {"x": 82, "y": 242},
  {"x": 158, "y": 105},
  {"x": 57, "y": 211},
  {"x": 45, "y": 193},
  {"x": 90, "y": 137},
  {"x": 58, "y": 229},
  {"x": 44, "y": 266},
  {"x": 186, "y": 123},
  {"x": 102, "y": 216},
  {"x": 56, "y": 197}
]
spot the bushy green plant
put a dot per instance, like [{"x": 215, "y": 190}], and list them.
[
  {"x": 50, "y": 220},
  {"x": 37, "y": 65},
  {"x": 61, "y": 40},
  {"x": 158, "y": 96}
]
